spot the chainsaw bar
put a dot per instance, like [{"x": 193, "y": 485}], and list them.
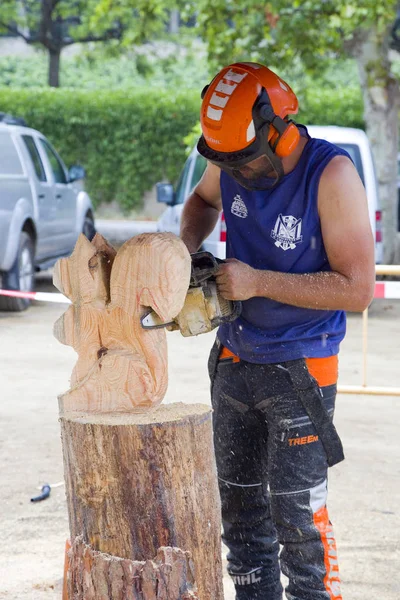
[{"x": 151, "y": 320}]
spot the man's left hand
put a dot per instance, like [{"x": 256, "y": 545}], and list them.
[{"x": 236, "y": 280}]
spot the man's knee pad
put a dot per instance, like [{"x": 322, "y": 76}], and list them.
[{"x": 293, "y": 513}]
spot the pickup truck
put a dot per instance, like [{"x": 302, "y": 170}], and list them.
[
  {"x": 43, "y": 208},
  {"x": 354, "y": 141}
]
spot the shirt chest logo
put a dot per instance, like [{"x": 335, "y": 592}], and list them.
[
  {"x": 287, "y": 232},
  {"x": 238, "y": 208}
]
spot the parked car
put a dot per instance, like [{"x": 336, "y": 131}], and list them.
[
  {"x": 398, "y": 192},
  {"x": 43, "y": 208},
  {"x": 354, "y": 141}
]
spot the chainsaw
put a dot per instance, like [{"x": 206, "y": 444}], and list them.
[{"x": 204, "y": 307}]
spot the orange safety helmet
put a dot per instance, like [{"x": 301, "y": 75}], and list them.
[{"x": 244, "y": 116}]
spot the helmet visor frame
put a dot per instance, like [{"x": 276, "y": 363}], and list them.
[{"x": 239, "y": 158}]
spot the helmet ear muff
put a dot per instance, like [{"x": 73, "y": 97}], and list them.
[
  {"x": 285, "y": 142},
  {"x": 285, "y": 135}
]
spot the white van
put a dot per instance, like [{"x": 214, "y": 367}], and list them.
[{"x": 354, "y": 141}]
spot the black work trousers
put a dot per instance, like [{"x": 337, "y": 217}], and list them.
[{"x": 272, "y": 470}]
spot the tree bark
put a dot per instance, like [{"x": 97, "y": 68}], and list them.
[
  {"x": 98, "y": 576},
  {"x": 381, "y": 106},
  {"x": 136, "y": 483},
  {"x": 54, "y": 68}
]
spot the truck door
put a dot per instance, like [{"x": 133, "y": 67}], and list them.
[
  {"x": 65, "y": 199},
  {"x": 44, "y": 192}
]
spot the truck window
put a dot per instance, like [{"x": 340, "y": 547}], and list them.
[
  {"x": 355, "y": 156},
  {"x": 10, "y": 163},
  {"x": 35, "y": 157},
  {"x": 56, "y": 165},
  {"x": 182, "y": 181},
  {"x": 199, "y": 168}
]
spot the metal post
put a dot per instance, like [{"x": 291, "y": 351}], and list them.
[{"x": 365, "y": 346}]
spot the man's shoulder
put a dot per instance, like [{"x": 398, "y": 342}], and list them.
[
  {"x": 319, "y": 145},
  {"x": 321, "y": 153},
  {"x": 338, "y": 170}
]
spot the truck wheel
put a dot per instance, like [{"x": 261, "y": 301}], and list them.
[
  {"x": 88, "y": 228},
  {"x": 20, "y": 276}
]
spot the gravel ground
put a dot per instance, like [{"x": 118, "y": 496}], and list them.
[{"x": 365, "y": 489}]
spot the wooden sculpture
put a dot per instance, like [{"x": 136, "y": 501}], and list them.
[
  {"x": 121, "y": 367},
  {"x": 141, "y": 483}
]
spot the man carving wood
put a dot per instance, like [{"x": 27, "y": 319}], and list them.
[{"x": 300, "y": 253}]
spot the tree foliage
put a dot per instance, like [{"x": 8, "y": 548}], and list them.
[
  {"x": 280, "y": 32},
  {"x": 166, "y": 66},
  {"x": 56, "y": 24}
]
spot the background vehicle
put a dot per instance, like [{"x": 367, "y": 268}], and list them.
[
  {"x": 354, "y": 141},
  {"x": 43, "y": 208}
]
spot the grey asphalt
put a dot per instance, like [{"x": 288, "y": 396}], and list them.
[{"x": 365, "y": 490}]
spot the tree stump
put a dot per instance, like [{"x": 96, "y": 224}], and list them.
[{"x": 141, "y": 483}]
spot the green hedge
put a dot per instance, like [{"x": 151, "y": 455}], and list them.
[
  {"x": 126, "y": 140},
  {"x": 322, "y": 106},
  {"x": 129, "y": 140}
]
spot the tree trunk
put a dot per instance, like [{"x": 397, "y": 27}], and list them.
[
  {"x": 54, "y": 68},
  {"x": 381, "y": 105},
  {"x": 137, "y": 483},
  {"x": 174, "y": 21}
]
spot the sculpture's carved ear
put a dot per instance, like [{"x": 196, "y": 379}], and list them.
[
  {"x": 72, "y": 275},
  {"x": 157, "y": 266},
  {"x": 84, "y": 276}
]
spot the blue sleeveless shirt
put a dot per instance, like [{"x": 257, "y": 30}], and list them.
[{"x": 279, "y": 230}]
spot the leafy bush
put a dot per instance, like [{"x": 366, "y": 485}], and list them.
[
  {"x": 342, "y": 106},
  {"x": 127, "y": 140},
  {"x": 161, "y": 65}
]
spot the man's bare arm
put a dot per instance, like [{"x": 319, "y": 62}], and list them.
[
  {"x": 349, "y": 245},
  {"x": 201, "y": 210}
]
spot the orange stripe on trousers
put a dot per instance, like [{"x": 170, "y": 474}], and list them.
[{"x": 332, "y": 579}]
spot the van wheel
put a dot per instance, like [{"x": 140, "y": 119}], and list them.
[
  {"x": 89, "y": 228},
  {"x": 20, "y": 277}
]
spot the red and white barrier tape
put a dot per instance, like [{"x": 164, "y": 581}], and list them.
[
  {"x": 387, "y": 289},
  {"x": 40, "y": 296},
  {"x": 383, "y": 289}
]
